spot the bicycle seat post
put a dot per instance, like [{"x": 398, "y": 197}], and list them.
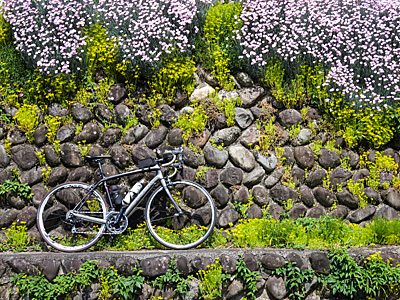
[{"x": 101, "y": 173}]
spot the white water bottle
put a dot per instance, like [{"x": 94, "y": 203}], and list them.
[{"x": 133, "y": 192}]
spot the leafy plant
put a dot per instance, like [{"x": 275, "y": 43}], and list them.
[
  {"x": 192, "y": 123},
  {"x": 295, "y": 279},
  {"x": 53, "y": 124},
  {"x": 22, "y": 189},
  {"x": 249, "y": 278},
  {"x": 27, "y": 118},
  {"x": 17, "y": 240},
  {"x": 211, "y": 281}
]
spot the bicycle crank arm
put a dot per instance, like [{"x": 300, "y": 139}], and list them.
[{"x": 88, "y": 218}]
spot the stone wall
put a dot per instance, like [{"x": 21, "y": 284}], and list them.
[
  {"x": 156, "y": 263},
  {"x": 238, "y": 170}
]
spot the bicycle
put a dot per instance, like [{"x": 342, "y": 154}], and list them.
[{"x": 179, "y": 214}]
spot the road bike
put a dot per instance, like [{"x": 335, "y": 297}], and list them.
[{"x": 179, "y": 214}]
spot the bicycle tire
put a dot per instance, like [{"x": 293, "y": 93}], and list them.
[
  {"x": 56, "y": 228},
  {"x": 185, "y": 231}
]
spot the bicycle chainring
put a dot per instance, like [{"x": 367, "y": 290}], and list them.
[{"x": 116, "y": 228}]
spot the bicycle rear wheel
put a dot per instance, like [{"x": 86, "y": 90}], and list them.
[
  {"x": 183, "y": 230},
  {"x": 60, "y": 228}
]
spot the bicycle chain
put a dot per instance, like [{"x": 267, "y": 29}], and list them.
[{"x": 89, "y": 232}]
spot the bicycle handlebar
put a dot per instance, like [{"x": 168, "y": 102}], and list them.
[{"x": 176, "y": 155}]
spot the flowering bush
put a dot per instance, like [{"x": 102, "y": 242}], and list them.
[
  {"x": 148, "y": 30},
  {"x": 48, "y": 33},
  {"x": 357, "y": 42}
]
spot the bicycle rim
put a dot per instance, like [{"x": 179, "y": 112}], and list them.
[
  {"x": 186, "y": 230},
  {"x": 63, "y": 231}
]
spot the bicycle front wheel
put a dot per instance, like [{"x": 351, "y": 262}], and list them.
[
  {"x": 57, "y": 221},
  {"x": 185, "y": 228}
]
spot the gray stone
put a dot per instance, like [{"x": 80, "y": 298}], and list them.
[
  {"x": 122, "y": 113},
  {"x": 5, "y": 175},
  {"x": 4, "y": 158},
  {"x": 329, "y": 159},
  {"x": 110, "y": 136},
  {"x": 352, "y": 157},
  {"x": 373, "y": 196},
  {"x": 304, "y": 157},
  {"x": 227, "y": 216},
  {"x": 210, "y": 179},
  {"x": 175, "y": 137},
  {"x": 261, "y": 195},
  {"x": 254, "y": 212},
  {"x": 70, "y": 155},
  {"x": 297, "y": 260},
  {"x": 15, "y": 200},
  {"x": 274, "y": 177},
  {"x": 226, "y": 136},
  {"x": 52, "y": 157},
  {"x": 90, "y": 133},
  {"x": 156, "y": 266},
  {"x": 17, "y": 136},
  {"x": 254, "y": 177},
  {"x": 276, "y": 287},
  {"x": 201, "y": 93},
  {"x": 360, "y": 175},
  {"x": 231, "y": 176},
  {"x": 339, "y": 176},
  {"x": 320, "y": 263},
  {"x": 220, "y": 195},
  {"x": 272, "y": 261},
  {"x": 39, "y": 192},
  {"x": 144, "y": 114},
  {"x": 275, "y": 211},
  {"x": 120, "y": 157},
  {"x": 290, "y": 117},
  {"x": 242, "y": 157},
  {"x": 241, "y": 195},
  {"x": 250, "y": 96},
  {"x": 56, "y": 110},
  {"x": 117, "y": 93},
  {"x": 57, "y": 176},
  {"x": 168, "y": 115},
  {"x": 298, "y": 210},
  {"x": 304, "y": 137},
  {"x": 243, "y": 117},
  {"x": 7, "y": 217},
  {"x": 80, "y": 174},
  {"x": 387, "y": 212},
  {"x": 156, "y": 137},
  {"x": 49, "y": 268},
  {"x": 315, "y": 212},
  {"x": 141, "y": 152},
  {"x": 24, "y": 156},
  {"x": 21, "y": 265},
  {"x": 281, "y": 194},
  {"x": 200, "y": 139},
  {"x": 250, "y": 136},
  {"x": 192, "y": 159},
  {"x": 324, "y": 196},
  {"x": 39, "y": 136},
  {"x": 346, "y": 198},
  {"x": 215, "y": 157},
  {"x": 140, "y": 132},
  {"x": 244, "y": 79},
  {"x": 65, "y": 133},
  {"x": 228, "y": 263},
  {"x": 129, "y": 137},
  {"x": 340, "y": 212},
  {"x": 267, "y": 162},
  {"x": 298, "y": 175},
  {"x": 27, "y": 216},
  {"x": 315, "y": 178},
  {"x": 181, "y": 99},
  {"x": 385, "y": 178},
  {"x": 32, "y": 176},
  {"x": 202, "y": 263},
  {"x": 393, "y": 198},
  {"x": 81, "y": 113},
  {"x": 307, "y": 196},
  {"x": 393, "y": 154},
  {"x": 362, "y": 214}
]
